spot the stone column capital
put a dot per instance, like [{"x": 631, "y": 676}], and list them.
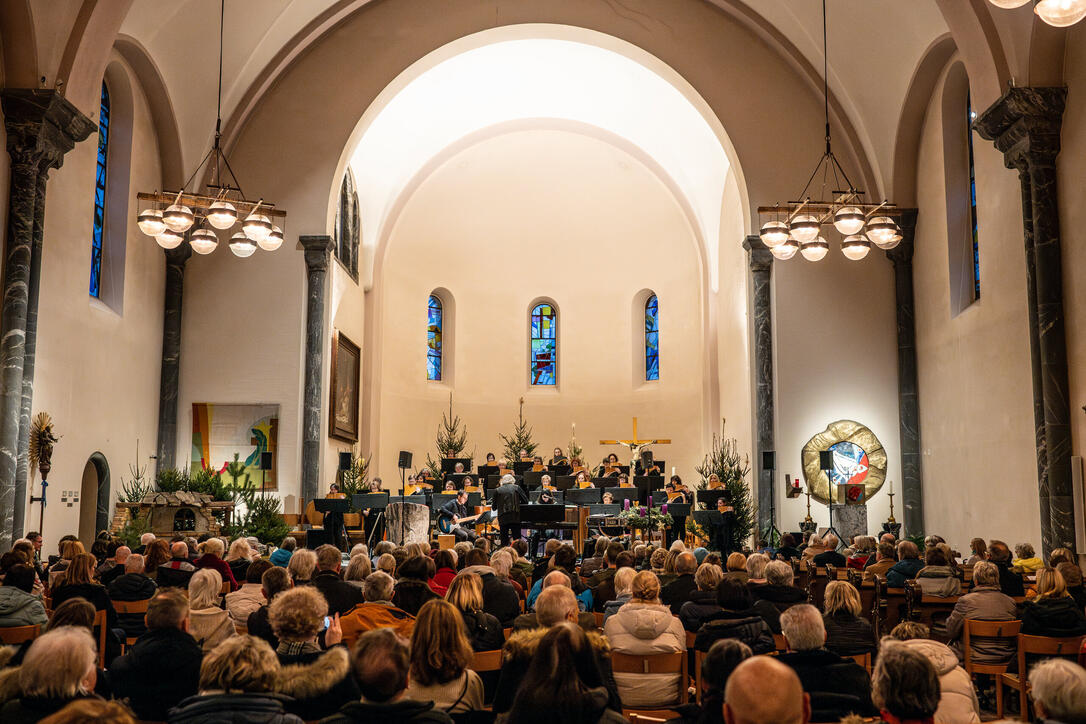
[
  {"x": 903, "y": 252},
  {"x": 1025, "y": 124},
  {"x": 317, "y": 249},
  {"x": 180, "y": 254},
  {"x": 761, "y": 259},
  {"x": 42, "y": 126}
]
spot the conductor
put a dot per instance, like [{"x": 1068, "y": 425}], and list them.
[
  {"x": 506, "y": 502},
  {"x": 722, "y": 533}
]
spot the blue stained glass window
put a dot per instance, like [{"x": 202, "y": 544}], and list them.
[
  {"x": 100, "y": 197},
  {"x": 973, "y": 199},
  {"x": 544, "y": 367},
  {"x": 434, "y": 321},
  {"x": 652, "y": 339}
]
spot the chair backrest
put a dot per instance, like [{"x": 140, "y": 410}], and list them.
[
  {"x": 599, "y": 618},
  {"x": 487, "y": 661},
  {"x": 225, "y": 588},
  {"x": 690, "y": 637},
  {"x": 672, "y": 663},
  {"x": 987, "y": 629},
  {"x": 131, "y": 606},
  {"x": 779, "y": 642},
  {"x": 636, "y": 718},
  {"x": 507, "y": 632},
  {"x": 698, "y": 657},
  {"x": 863, "y": 660},
  {"x": 100, "y": 626},
  {"x": 19, "y": 634}
]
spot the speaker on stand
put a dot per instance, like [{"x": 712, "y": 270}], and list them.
[
  {"x": 265, "y": 466},
  {"x": 771, "y": 536},
  {"x": 825, "y": 464}
]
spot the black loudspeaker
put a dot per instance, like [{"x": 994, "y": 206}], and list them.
[
  {"x": 825, "y": 460},
  {"x": 405, "y": 459},
  {"x": 769, "y": 460},
  {"x": 345, "y": 461},
  {"x": 265, "y": 461}
]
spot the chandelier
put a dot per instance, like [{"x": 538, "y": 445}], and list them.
[
  {"x": 797, "y": 226},
  {"x": 167, "y": 215},
  {"x": 1058, "y": 13}
]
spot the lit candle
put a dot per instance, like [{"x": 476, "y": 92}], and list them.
[
  {"x": 891, "y": 487},
  {"x": 672, "y": 469}
]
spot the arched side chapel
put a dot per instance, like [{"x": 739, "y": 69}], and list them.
[{"x": 594, "y": 219}]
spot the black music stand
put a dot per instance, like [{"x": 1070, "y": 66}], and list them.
[
  {"x": 486, "y": 470},
  {"x": 448, "y": 465},
  {"x": 521, "y": 467},
  {"x": 533, "y": 479},
  {"x": 583, "y": 496},
  {"x": 678, "y": 510},
  {"x": 620, "y": 494},
  {"x": 560, "y": 469},
  {"x": 647, "y": 483},
  {"x": 565, "y": 482}
]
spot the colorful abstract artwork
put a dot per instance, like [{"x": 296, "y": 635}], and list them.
[
  {"x": 100, "y": 196},
  {"x": 544, "y": 367},
  {"x": 652, "y": 339},
  {"x": 219, "y": 431},
  {"x": 434, "y": 321},
  {"x": 858, "y": 460},
  {"x": 850, "y": 464}
]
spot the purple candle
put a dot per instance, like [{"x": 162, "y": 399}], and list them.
[
  {"x": 626, "y": 504},
  {"x": 663, "y": 508}
]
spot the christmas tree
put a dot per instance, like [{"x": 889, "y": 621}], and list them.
[
  {"x": 521, "y": 439},
  {"x": 574, "y": 450},
  {"x": 732, "y": 469},
  {"x": 452, "y": 438}
]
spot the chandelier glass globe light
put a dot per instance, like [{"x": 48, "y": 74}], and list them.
[
  {"x": 785, "y": 251},
  {"x": 855, "y": 247},
  {"x": 178, "y": 217},
  {"x": 242, "y": 245},
  {"x": 805, "y": 228},
  {"x": 814, "y": 250},
  {"x": 203, "y": 241},
  {"x": 257, "y": 227},
  {"x": 881, "y": 230},
  {"x": 848, "y": 220},
  {"x": 1061, "y": 13},
  {"x": 222, "y": 215},
  {"x": 169, "y": 239},
  {"x": 150, "y": 222},
  {"x": 1009, "y": 4},
  {"x": 774, "y": 233},
  {"x": 274, "y": 240}
]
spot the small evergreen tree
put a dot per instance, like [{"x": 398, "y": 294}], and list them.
[
  {"x": 521, "y": 439},
  {"x": 732, "y": 469},
  {"x": 352, "y": 481},
  {"x": 452, "y": 438},
  {"x": 132, "y": 491}
]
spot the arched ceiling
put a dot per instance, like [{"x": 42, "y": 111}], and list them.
[{"x": 874, "y": 47}]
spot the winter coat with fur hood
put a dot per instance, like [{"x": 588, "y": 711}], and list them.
[
  {"x": 646, "y": 628},
  {"x": 318, "y": 683},
  {"x": 958, "y": 702}
]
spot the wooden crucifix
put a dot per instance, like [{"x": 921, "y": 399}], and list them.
[{"x": 635, "y": 444}]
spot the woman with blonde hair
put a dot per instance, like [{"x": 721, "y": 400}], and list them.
[
  {"x": 440, "y": 657},
  {"x": 209, "y": 624},
  {"x": 239, "y": 558},
  {"x": 69, "y": 549},
  {"x": 60, "y": 666},
  {"x": 1052, "y": 612},
  {"x": 213, "y": 549},
  {"x": 736, "y": 567},
  {"x": 645, "y": 626},
  {"x": 756, "y": 564},
  {"x": 78, "y": 582},
  {"x": 702, "y": 603},
  {"x": 483, "y": 630},
  {"x": 357, "y": 570},
  {"x": 301, "y": 566},
  {"x": 815, "y": 547},
  {"x": 847, "y": 632},
  {"x": 979, "y": 552}
]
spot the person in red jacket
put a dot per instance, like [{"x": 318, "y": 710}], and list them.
[
  {"x": 445, "y": 561},
  {"x": 213, "y": 549}
]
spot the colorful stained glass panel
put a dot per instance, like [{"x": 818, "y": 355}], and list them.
[
  {"x": 434, "y": 321},
  {"x": 973, "y": 200},
  {"x": 544, "y": 367},
  {"x": 100, "y": 197},
  {"x": 652, "y": 339}
]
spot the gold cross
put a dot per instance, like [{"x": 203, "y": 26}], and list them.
[{"x": 635, "y": 444}]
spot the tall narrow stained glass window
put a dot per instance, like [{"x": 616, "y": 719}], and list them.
[
  {"x": 434, "y": 323},
  {"x": 100, "y": 197},
  {"x": 970, "y": 117},
  {"x": 544, "y": 367},
  {"x": 652, "y": 339}
]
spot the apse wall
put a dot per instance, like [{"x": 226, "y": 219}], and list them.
[
  {"x": 97, "y": 369},
  {"x": 976, "y": 395},
  {"x": 529, "y": 215}
]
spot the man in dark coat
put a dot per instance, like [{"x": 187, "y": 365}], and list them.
[
  {"x": 500, "y": 599},
  {"x": 678, "y": 592},
  {"x": 341, "y": 596},
  {"x": 177, "y": 571},
  {"x": 1010, "y": 582},
  {"x": 830, "y": 556},
  {"x": 163, "y": 667},
  {"x": 132, "y": 586},
  {"x": 506, "y": 503}
]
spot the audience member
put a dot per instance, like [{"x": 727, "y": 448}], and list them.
[
  {"x": 59, "y": 667},
  {"x": 381, "y": 662},
  {"x": 18, "y": 607},
  {"x": 736, "y": 619},
  {"x": 239, "y": 557},
  {"x": 1052, "y": 612},
  {"x": 483, "y": 631},
  {"x": 237, "y": 684},
  {"x": 907, "y": 566},
  {"x": 937, "y": 578},
  {"x": 762, "y": 690},
  {"x": 1059, "y": 692},
  {"x": 318, "y": 682},
  {"x": 388, "y": 563},
  {"x": 273, "y": 582},
  {"x": 249, "y": 597},
  {"x": 589, "y": 566},
  {"x": 500, "y": 598},
  {"x": 736, "y": 567},
  {"x": 905, "y": 685},
  {"x": 986, "y": 603},
  {"x": 281, "y": 555},
  {"x": 829, "y": 556},
  {"x": 212, "y": 550},
  {"x": 1010, "y": 582},
  {"x": 359, "y": 568},
  {"x": 1072, "y": 577},
  {"x": 208, "y": 623},
  {"x": 978, "y": 551},
  {"x": 92, "y": 711},
  {"x": 702, "y": 603},
  {"x": 788, "y": 548},
  {"x": 1026, "y": 560},
  {"x": 413, "y": 588},
  {"x": 847, "y": 633},
  {"x": 756, "y": 564},
  {"x": 815, "y": 547},
  {"x": 177, "y": 571},
  {"x": 445, "y": 563},
  {"x": 837, "y": 686},
  {"x": 116, "y": 569},
  {"x": 716, "y": 667},
  {"x": 134, "y": 585},
  {"x": 622, "y": 581},
  {"x": 440, "y": 657},
  {"x": 645, "y": 626},
  {"x": 678, "y": 592},
  {"x": 78, "y": 582},
  {"x": 163, "y": 666},
  {"x": 957, "y": 700},
  {"x": 341, "y": 596},
  {"x": 530, "y": 620},
  {"x": 376, "y": 611},
  {"x": 778, "y": 590},
  {"x": 302, "y": 566},
  {"x": 880, "y": 563},
  {"x": 156, "y": 554}
]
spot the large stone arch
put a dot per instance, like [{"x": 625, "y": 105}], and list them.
[{"x": 18, "y": 45}]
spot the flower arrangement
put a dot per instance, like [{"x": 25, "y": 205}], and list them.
[
  {"x": 698, "y": 529},
  {"x": 640, "y": 517}
]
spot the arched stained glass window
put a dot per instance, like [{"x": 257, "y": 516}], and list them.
[
  {"x": 434, "y": 323},
  {"x": 969, "y": 118},
  {"x": 100, "y": 197},
  {"x": 544, "y": 367},
  {"x": 652, "y": 339}
]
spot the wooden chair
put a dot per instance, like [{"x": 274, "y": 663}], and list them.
[
  {"x": 225, "y": 588},
  {"x": 507, "y": 632},
  {"x": 991, "y": 630},
  {"x": 863, "y": 660},
  {"x": 241, "y": 628},
  {"x": 673, "y": 663},
  {"x": 780, "y": 642},
  {"x": 698, "y": 657},
  {"x": 18, "y": 634},
  {"x": 599, "y": 619},
  {"x": 1043, "y": 646},
  {"x": 123, "y": 607},
  {"x": 100, "y": 625},
  {"x": 487, "y": 661},
  {"x": 639, "y": 718}
]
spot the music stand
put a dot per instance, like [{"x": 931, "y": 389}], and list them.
[
  {"x": 646, "y": 484},
  {"x": 565, "y": 482},
  {"x": 448, "y": 465},
  {"x": 603, "y": 509},
  {"x": 709, "y": 497},
  {"x": 583, "y": 496},
  {"x": 659, "y": 497},
  {"x": 620, "y": 494},
  {"x": 485, "y": 470},
  {"x": 521, "y": 467},
  {"x": 678, "y": 510},
  {"x": 533, "y": 479},
  {"x": 561, "y": 469}
]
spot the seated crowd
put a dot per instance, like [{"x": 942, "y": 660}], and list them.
[{"x": 216, "y": 631}]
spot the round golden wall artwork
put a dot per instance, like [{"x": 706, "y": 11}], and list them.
[{"x": 858, "y": 457}]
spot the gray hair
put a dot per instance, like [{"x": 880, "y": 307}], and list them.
[
  {"x": 359, "y": 549},
  {"x": 501, "y": 562},
  {"x": 358, "y": 569},
  {"x": 379, "y": 586},
  {"x": 904, "y": 682},
  {"x": 147, "y": 539},
  {"x": 1024, "y": 550},
  {"x": 1060, "y": 687},
  {"x": 831, "y": 541},
  {"x": 779, "y": 573},
  {"x": 134, "y": 563},
  {"x": 301, "y": 564},
  {"x": 756, "y": 564},
  {"x": 57, "y": 663},
  {"x": 985, "y": 573},
  {"x": 555, "y": 604},
  {"x": 507, "y": 480},
  {"x": 205, "y": 587},
  {"x": 802, "y": 626}
]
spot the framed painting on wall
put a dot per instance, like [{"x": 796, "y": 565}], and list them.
[
  {"x": 343, "y": 403},
  {"x": 220, "y": 431}
]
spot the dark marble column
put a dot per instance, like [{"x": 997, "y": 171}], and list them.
[
  {"x": 761, "y": 268},
  {"x": 912, "y": 492},
  {"x": 41, "y": 127},
  {"x": 318, "y": 250},
  {"x": 1025, "y": 125},
  {"x": 170, "y": 374}
]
